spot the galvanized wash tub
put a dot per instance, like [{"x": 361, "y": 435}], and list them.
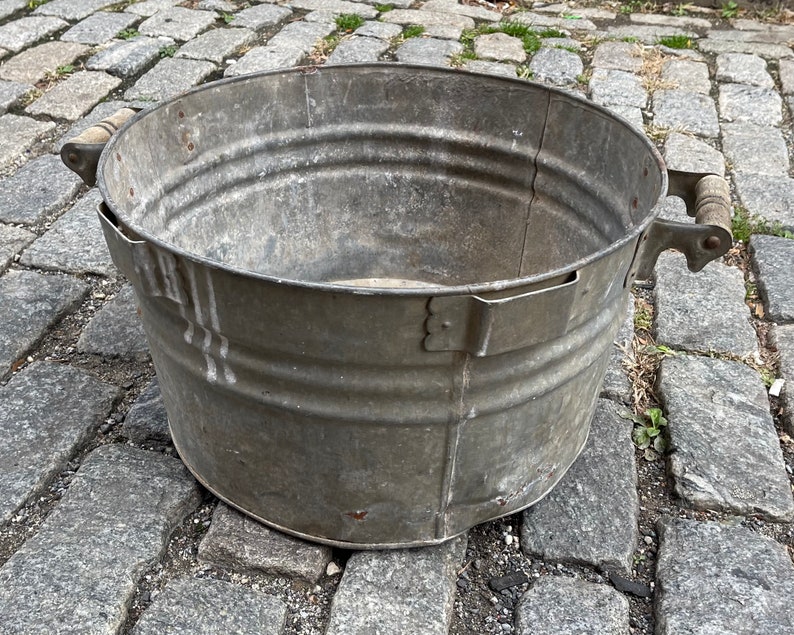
[{"x": 381, "y": 299}]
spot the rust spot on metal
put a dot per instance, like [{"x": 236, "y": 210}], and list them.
[
  {"x": 118, "y": 157},
  {"x": 635, "y": 202},
  {"x": 360, "y": 515},
  {"x": 190, "y": 146},
  {"x": 181, "y": 115},
  {"x": 645, "y": 171},
  {"x": 501, "y": 501},
  {"x": 132, "y": 192}
]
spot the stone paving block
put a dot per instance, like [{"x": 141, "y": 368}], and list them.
[
  {"x": 73, "y": 9},
  {"x": 491, "y": 68},
  {"x": 680, "y": 22},
  {"x": 147, "y": 420},
  {"x": 337, "y": 7},
  {"x": 238, "y": 543},
  {"x": 74, "y": 243},
  {"x": 116, "y": 329},
  {"x": 216, "y": 45},
  {"x": 357, "y": 49},
  {"x": 400, "y": 592},
  {"x": 30, "y": 303},
  {"x": 12, "y": 241},
  {"x": 397, "y": 4},
  {"x": 742, "y": 68},
  {"x": 610, "y": 87},
  {"x": 783, "y": 31},
  {"x": 755, "y": 149},
  {"x": 616, "y": 382},
  {"x": 619, "y": 56},
  {"x": 428, "y": 51},
  {"x": 285, "y": 49},
  {"x": 72, "y": 98},
  {"x": 685, "y": 111},
  {"x": 561, "y": 8},
  {"x": 499, "y": 47},
  {"x": 753, "y": 36},
  {"x": 773, "y": 261},
  {"x": 566, "y": 43},
  {"x": 783, "y": 337},
  {"x": 423, "y": 18},
  {"x": 703, "y": 311},
  {"x": 148, "y": 8},
  {"x": 204, "y": 606},
  {"x": 380, "y": 30},
  {"x": 9, "y": 7},
  {"x": 99, "y": 28},
  {"x": 724, "y": 449},
  {"x": 555, "y": 22},
  {"x": 771, "y": 197},
  {"x": 443, "y": 32},
  {"x": 260, "y": 16},
  {"x": 648, "y": 33},
  {"x": 453, "y": 6},
  {"x": 37, "y": 189},
  {"x": 786, "y": 69},
  {"x": 48, "y": 412},
  {"x": 17, "y": 136},
  {"x": 38, "y": 62},
  {"x": 565, "y": 606},
  {"x": 687, "y": 75},
  {"x": 767, "y": 51},
  {"x": 177, "y": 23},
  {"x": 11, "y": 93},
  {"x": 714, "y": 578},
  {"x": 739, "y": 102},
  {"x": 170, "y": 77},
  {"x": 129, "y": 57},
  {"x": 556, "y": 66},
  {"x": 82, "y": 566},
  {"x": 690, "y": 154},
  {"x": 590, "y": 517},
  {"x": 630, "y": 113},
  {"x": 21, "y": 33}
]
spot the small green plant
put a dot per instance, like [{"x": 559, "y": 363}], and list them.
[
  {"x": 767, "y": 376},
  {"x": 33, "y": 4},
  {"x": 383, "y": 8},
  {"x": 744, "y": 225},
  {"x": 551, "y": 33},
  {"x": 681, "y": 9},
  {"x": 460, "y": 59},
  {"x": 413, "y": 30},
  {"x": 729, "y": 10},
  {"x": 647, "y": 433},
  {"x": 127, "y": 34},
  {"x": 631, "y": 39},
  {"x": 168, "y": 51},
  {"x": 676, "y": 41},
  {"x": 227, "y": 17},
  {"x": 348, "y": 22},
  {"x": 66, "y": 69},
  {"x": 524, "y": 72}
]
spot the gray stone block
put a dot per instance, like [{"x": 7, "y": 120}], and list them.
[
  {"x": 239, "y": 543},
  {"x": 770, "y": 197},
  {"x": 716, "y": 46},
  {"x": 17, "y": 136},
  {"x": 400, "y": 592},
  {"x": 742, "y": 68},
  {"x": 116, "y": 329},
  {"x": 687, "y": 75},
  {"x": 428, "y": 51},
  {"x": 773, "y": 260},
  {"x": 632, "y": 114},
  {"x": 130, "y": 57},
  {"x": 619, "y": 56},
  {"x": 30, "y": 303},
  {"x": 170, "y": 77},
  {"x": 617, "y": 88},
  {"x": 681, "y": 22},
  {"x": 48, "y": 412},
  {"x": 216, "y": 45},
  {"x": 73, "y": 9},
  {"x": 74, "y": 243},
  {"x": 75, "y": 96},
  {"x": 426, "y": 18},
  {"x": 724, "y": 450},
  {"x": 783, "y": 338},
  {"x": 12, "y": 241},
  {"x": 148, "y": 8},
  {"x": 177, "y": 23},
  {"x": 616, "y": 381},
  {"x": 10, "y": 7},
  {"x": 380, "y": 30},
  {"x": 739, "y": 102},
  {"x": 590, "y": 517},
  {"x": 147, "y": 420},
  {"x": 689, "y": 154},
  {"x": 99, "y": 28},
  {"x": 755, "y": 149},
  {"x": 703, "y": 311},
  {"x": 499, "y": 47},
  {"x": 561, "y": 43},
  {"x": 685, "y": 111},
  {"x": 555, "y": 22},
  {"x": 39, "y": 188},
  {"x": 260, "y": 16},
  {"x": 21, "y": 33},
  {"x": 565, "y": 606},
  {"x": 357, "y": 49},
  {"x": 714, "y": 578},
  {"x": 204, "y": 606},
  {"x": 491, "y": 68},
  {"x": 648, "y": 33},
  {"x": 34, "y": 64},
  {"x": 11, "y": 93},
  {"x": 556, "y": 66},
  {"x": 337, "y": 7},
  {"x": 82, "y": 566},
  {"x": 453, "y": 6},
  {"x": 786, "y": 69}
]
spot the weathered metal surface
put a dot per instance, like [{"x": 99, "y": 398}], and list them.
[{"x": 380, "y": 299}]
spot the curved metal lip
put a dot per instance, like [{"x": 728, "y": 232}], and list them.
[{"x": 432, "y": 290}]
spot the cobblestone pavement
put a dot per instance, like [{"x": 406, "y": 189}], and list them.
[{"x": 102, "y": 530}]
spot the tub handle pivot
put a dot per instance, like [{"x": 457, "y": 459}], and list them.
[
  {"x": 81, "y": 154},
  {"x": 708, "y": 199}
]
